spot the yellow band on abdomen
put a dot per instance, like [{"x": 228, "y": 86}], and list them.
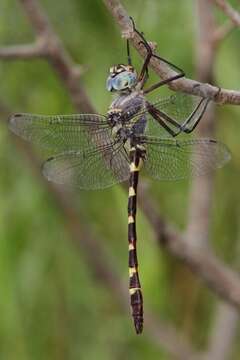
[
  {"x": 131, "y": 247},
  {"x": 133, "y": 290},
  {"x": 134, "y": 167},
  {"x": 131, "y": 191},
  {"x": 132, "y": 270},
  {"x": 130, "y": 219}
]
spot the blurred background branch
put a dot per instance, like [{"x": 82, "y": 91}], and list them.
[
  {"x": 225, "y": 326},
  {"x": 229, "y": 11},
  {"x": 27, "y": 51}
]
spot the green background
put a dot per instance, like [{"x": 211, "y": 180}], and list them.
[{"x": 51, "y": 304}]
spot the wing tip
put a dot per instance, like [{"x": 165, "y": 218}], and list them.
[
  {"x": 13, "y": 122},
  {"x": 226, "y": 153},
  {"x": 44, "y": 168}
]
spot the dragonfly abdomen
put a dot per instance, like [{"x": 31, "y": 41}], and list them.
[{"x": 135, "y": 292}]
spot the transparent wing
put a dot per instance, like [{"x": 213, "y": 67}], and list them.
[
  {"x": 62, "y": 132},
  {"x": 93, "y": 169},
  {"x": 169, "y": 159}
]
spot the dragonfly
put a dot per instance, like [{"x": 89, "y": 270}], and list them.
[{"x": 93, "y": 151}]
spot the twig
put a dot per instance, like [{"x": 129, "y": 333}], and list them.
[
  {"x": 28, "y": 51},
  {"x": 233, "y": 14},
  {"x": 185, "y": 84},
  {"x": 222, "y": 32},
  {"x": 57, "y": 56}
]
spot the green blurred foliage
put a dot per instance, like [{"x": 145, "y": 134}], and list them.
[{"x": 51, "y": 307}]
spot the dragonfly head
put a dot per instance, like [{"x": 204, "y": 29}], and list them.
[{"x": 121, "y": 78}]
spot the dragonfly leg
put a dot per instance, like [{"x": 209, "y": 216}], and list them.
[
  {"x": 144, "y": 70},
  {"x": 189, "y": 124},
  {"x": 143, "y": 76},
  {"x": 163, "y": 82},
  {"x": 163, "y": 120},
  {"x": 129, "y": 53},
  {"x": 149, "y": 55},
  {"x": 135, "y": 292},
  {"x": 166, "y": 81},
  {"x": 187, "y": 127}
]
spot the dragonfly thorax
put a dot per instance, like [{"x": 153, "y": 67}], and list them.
[
  {"x": 123, "y": 115},
  {"x": 122, "y": 78}
]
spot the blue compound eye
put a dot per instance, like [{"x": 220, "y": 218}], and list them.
[
  {"x": 119, "y": 82},
  {"x": 122, "y": 81},
  {"x": 132, "y": 79},
  {"x": 109, "y": 85}
]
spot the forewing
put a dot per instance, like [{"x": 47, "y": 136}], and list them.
[
  {"x": 98, "y": 169},
  {"x": 61, "y": 133},
  {"x": 169, "y": 159}
]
